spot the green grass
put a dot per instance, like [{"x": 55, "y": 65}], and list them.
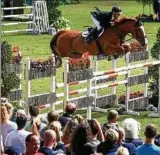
[{"x": 37, "y": 46}]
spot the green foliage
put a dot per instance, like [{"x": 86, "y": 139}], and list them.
[
  {"x": 61, "y": 23},
  {"x": 154, "y": 72},
  {"x": 9, "y": 79},
  {"x": 145, "y": 2},
  {"x": 53, "y": 12}
]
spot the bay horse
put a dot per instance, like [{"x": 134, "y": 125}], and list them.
[{"x": 70, "y": 43}]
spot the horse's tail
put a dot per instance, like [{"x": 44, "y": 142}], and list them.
[{"x": 53, "y": 45}]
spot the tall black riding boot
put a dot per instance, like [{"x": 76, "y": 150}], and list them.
[{"x": 91, "y": 36}]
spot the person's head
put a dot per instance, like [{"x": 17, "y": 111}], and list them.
[
  {"x": 9, "y": 107},
  {"x": 150, "y": 131},
  {"x": 4, "y": 100},
  {"x": 69, "y": 130},
  {"x": 52, "y": 116},
  {"x": 21, "y": 112},
  {"x": 122, "y": 151},
  {"x": 78, "y": 118},
  {"x": 21, "y": 122},
  {"x": 79, "y": 138},
  {"x": 131, "y": 128},
  {"x": 92, "y": 130},
  {"x": 4, "y": 114},
  {"x": 49, "y": 138},
  {"x": 34, "y": 110},
  {"x": 56, "y": 126},
  {"x": 70, "y": 108},
  {"x": 36, "y": 126},
  {"x": 32, "y": 144},
  {"x": 116, "y": 10},
  {"x": 112, "y": 116},
  {"x": 112, "y": 136}
]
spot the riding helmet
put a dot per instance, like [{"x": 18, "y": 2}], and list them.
[{"x": 116, "y": 9}]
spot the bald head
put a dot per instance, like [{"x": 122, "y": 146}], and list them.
[{"x": 49, "y": 137}]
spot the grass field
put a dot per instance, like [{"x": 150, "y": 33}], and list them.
[{"x": 37, "y": 46}]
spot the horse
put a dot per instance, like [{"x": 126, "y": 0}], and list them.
[{"x": 70, "y": 43}]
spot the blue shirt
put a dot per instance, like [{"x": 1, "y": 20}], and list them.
[
  {"x": 47, "y": 151},
  {"x": 148, "y": 149}
]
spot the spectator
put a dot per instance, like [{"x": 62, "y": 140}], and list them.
[
  {"x": 112, "y": 121},
  {"x": 157, "y": 140},
  {"x": 13, "y": 151},
  {"x": 2, "y": 147},
  {"x": 32, "y": 145},
  {"x": 51, "y": 117},
  {"x": 68, "y": 131},
  {"x": 7, "y": 126},
  {"x": 122, "y": 151},
  {"x": 34, "y": 125},
  {"x": 149, "y": 148},
  {"x": 79, "y": 139},
  {"x": 94, "y": 129},
  {"x": 16, "y": 138},
  {"x": 67, "y": 116},
  {"x": 78, "y": 118},
  {"x": 49, "y": 142},
  {"x": 110, "y": 145},
  {"x": 131, "y": 128},
  {"x": 9, "y": 109},
  {"x": 130, "y": 146},
  {"x": 59, "y": 145}
]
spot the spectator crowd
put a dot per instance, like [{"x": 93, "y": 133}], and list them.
[{"x": 71, "y": 134}]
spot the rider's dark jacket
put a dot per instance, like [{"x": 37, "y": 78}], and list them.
[{"x": 103, "y": 17}]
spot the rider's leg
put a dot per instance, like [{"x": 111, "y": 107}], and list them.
[
  {"x": 93, "y": 32},
  {"x": 100, "y": 29}
]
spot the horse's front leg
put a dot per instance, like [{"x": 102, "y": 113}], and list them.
[{"x": 113, "y": 49}]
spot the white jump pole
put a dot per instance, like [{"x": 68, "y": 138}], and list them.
[
  {"x": 53, "y": 83},
  {"x": 66, "y": 86},
  {"x": 89, "y": 92},
  {"x": 28, "y": 85}
]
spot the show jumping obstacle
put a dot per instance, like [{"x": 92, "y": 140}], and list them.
[
  {"x": 92, "y": 78},
  {"x": 37, "y": 20}
]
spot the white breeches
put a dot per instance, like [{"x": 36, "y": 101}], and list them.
[{"x": 96, "y": 23}]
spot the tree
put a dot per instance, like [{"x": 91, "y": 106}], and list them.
[
  {"x": 53, "y": 12},
  {"x": 9, "y": 79},
  {"x": 146, "y": 2},
  {"x": 154, "y": 71}
]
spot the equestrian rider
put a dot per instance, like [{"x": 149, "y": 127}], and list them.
[{"x": 103, "y": 20}]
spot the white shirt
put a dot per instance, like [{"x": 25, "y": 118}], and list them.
[
  {"x": 7, "y": 128},
  {"x": 17, "y": 138}
]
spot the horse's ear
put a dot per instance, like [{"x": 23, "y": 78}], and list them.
[
  {"x": 138, "y": 20},
  {"x": 138, "y": 17}
]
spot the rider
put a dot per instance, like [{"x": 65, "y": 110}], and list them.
[{"x": 103, "y": 20}]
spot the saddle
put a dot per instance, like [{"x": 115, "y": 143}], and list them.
[{"x": 91, "y": 34}]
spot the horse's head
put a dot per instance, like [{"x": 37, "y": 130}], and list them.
[{"x": 138, "y": 32}]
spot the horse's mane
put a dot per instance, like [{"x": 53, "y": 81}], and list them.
[{"x": 124, "y": 20}]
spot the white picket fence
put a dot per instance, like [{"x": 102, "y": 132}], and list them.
[
  {"x": 37, "y": 20},
  {"x": 89, "y": 77}
]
